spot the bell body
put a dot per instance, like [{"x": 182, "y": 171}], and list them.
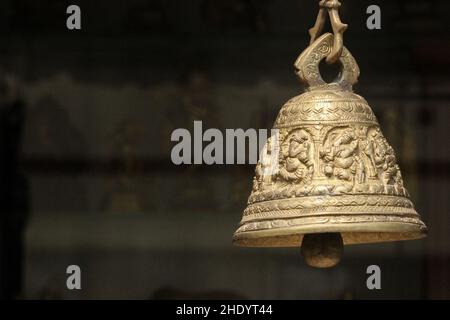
[{"x": 329, "y": 169}]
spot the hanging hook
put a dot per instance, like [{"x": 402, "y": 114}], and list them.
[{"x": 332, "y": 6}]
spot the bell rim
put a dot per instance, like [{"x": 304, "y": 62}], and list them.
[{"x": 352, "y": 233}]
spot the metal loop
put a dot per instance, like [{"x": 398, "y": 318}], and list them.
[
  {"x": 307, "y": 65},
  {"x": 332, "y": 8}
]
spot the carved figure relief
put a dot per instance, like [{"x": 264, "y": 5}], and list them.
[
  {"x": 267, "y": 164},
  {"x": 296, "y": 163},
  {"x": 333, "y": 160},
  {"x": 341, "y": 157},
  {"x": 383, "y": 159}
]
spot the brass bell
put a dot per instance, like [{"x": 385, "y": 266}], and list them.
[{"x": 329, "y": 177}]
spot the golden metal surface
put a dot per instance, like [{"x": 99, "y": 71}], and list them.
[
  {"x": 338, "y": 27},
  {"x": 337, "y": 173}
]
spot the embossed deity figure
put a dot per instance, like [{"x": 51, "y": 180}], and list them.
[
  {"x": 266, "y": 167},
  {"x": 341, "y": 158},
  {"x": 297, "y": 165},
  {"x": 383, "y": 159}
]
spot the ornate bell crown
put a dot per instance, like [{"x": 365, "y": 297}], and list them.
[{"x": 338, "y": 181}]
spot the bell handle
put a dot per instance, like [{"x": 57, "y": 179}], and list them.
[
  {"x": 332, "y": 7},
  {"x": 307, "y": 65},
  {"x": 338, "y": 42}
]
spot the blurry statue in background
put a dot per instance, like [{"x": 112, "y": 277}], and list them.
[
  {"x": 14, "y": 191},
  {"x": 191, "y": 190},
  {"x": 54, "y": 144},
  {"x": 195, "y": 102},
  {"x": 122, "y": 188}
]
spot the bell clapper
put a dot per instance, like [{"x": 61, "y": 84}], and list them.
[{"x": 322, "y": 250}]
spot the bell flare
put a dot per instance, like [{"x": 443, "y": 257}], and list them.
[{"x": 350, "y": 233}]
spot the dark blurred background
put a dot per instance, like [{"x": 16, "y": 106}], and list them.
[{"x": 85, "y": 124}]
